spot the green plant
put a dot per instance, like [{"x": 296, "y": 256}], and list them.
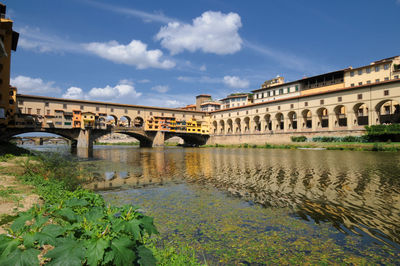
[
  {"x": 74, "y": 225},
  {"x": 298, "y": 138},
  {"x": 81, "y": 230}
]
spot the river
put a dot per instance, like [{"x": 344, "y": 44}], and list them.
[{"x": 261, "y": 206}]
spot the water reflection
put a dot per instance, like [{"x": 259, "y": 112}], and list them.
[{"x": 355, "y": 191}]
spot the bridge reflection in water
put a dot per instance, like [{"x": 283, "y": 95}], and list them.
[{"x": 355, "y": 191}]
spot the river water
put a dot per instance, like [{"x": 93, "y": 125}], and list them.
[{"x": 261, "y": 206}]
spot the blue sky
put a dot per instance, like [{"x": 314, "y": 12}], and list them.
[{"x": 163, "y": 53}]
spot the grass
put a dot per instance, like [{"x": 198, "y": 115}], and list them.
[
  {"x": 348, "y": 146},
  {"x": 9, "y": 194}
]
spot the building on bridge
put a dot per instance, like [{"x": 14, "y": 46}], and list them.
[{"x": 8, "y": 43}]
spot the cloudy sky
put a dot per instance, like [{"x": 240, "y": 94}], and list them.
[{"x": 163, "y": 53}]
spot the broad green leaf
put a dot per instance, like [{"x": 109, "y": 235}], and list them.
[
  {"x": 108, "y": 257},
  {"x": 95, "y": 250},
  {"x": 40, "y": 220},
  {"x": 29, "y": 240},
  {"x": 148, "y": 225},
  {"x": 44, "y": 238},
  {"x": 75, "y": 202},
  {"x": 95, "y": 214},
  {"x": 133, "y": 227},
  {"x": 68, "y": 214},
  {"x": 123, "y": 254},
  {"x": 53, "y": 229},
  {"x": 67, "y": 252},
  {"x": 7, "y": 246},
  {"x": 146, "y": 256},
  {"x": 19, "y": 223},
  {"x": 21, "y": 258}
]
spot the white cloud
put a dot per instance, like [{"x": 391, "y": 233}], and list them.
[
  {"x": 135, "y": 53},
  {"x": 236, "y": 82},
  {"x": 231, "y": 81},
  {"x": 34, "y": 39},
  {"x": 123, "y": 89},
  {"x": 146, "y": 16},
  {"x": 203, "y": 68},
  {"x": 30, "y": 85},
  {"x": 73, "y": 93},
  {"x": 160, "y": 88},
  {"x": 212, "y": 32}
]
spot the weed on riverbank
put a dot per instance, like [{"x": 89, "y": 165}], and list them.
[
  {"x": 74, "y": 226},
  {"x": 347, "y": 146}
]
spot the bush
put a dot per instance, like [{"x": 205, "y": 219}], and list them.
[
  {"x": 341, "y": 139},
  {"x": 298, "y": 138}
]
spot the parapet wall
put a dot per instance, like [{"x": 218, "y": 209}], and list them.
[{"x": 275, "y": 138}]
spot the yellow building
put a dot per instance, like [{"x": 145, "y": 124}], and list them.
[
  {"x": 88, "y": 119},
  {"x": 8, "y": 42},
  {"x": 193, "y": 126}
]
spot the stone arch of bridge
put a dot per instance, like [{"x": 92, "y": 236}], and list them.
[{"x": 145, "y": 140}]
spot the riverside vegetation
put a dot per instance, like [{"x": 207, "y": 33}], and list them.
[{"x": 75, "y": 226}]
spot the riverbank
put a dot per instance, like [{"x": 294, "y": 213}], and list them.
[
  {"x": 65, "y": 222},
  {"x": 348, "y": 146}
]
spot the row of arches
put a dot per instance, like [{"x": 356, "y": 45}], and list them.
[
  {"x": 387, "y": 112},
  {"x": 123, "y": 121}
]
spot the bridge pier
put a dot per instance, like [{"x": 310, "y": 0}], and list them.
[
  {"x": 159, "y": 139},
  {"x": 85, "y": 139}
]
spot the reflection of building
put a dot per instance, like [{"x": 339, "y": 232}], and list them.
[{"x": 8, "y": 42}]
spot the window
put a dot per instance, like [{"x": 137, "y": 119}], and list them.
[
  {"x": 266, "y": 109},
  {"x": 279, "y": 107},
  {"x": 268, "y": 93},
  {"x": 321, "y": 101},
  {"x": 359, "y": 96},
  {"x": 257, "y": 96},
  {"x": 368, "y": 70},
  {"x": 292, "y": 106},
  {"x": 237, "y": 113},
  {"x": 64, "y": 106},
  {"x": 377, "y": 69},
  {"x": 352, "y": 74},
  {"x": 20, "y": 102},
  {"x": 273, "y": 93},
  {"x": 386, "y": 78},
  {"x": 305, "y": 103},
  {"x": 359, "y": 71},
  {"x": 262, "y": 95},
  {"x": 386, "y": 92},
  {"x": 82, "y": 107},
  {"x": 11, "y": 93},
  {"x": 247, "y": 112},
  {"x": 368, "y": 82},
  {"x": 352, "y": 84},
  {"x": 339, "y": 99},
  {"x": 257, "y": 111},
  {"x": 396, "y": 77},
  {"x": 46, "y": 104},
  {"x": 48, "y": 112},
  {"x": 359, "y": 83},
  {"x": 38, "y": 111},
  {"x": 288, "y": 89},
  {"x": 297, "y": 88},
  {"x": 377, "y": 80},
  {"x": 280, "y": 91},
  {"x": 97, "y": 108},
  {"x": 112, "y": 110},
  {"x": 151, "y": 113},
  {"x": 386, "y": 66}
]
